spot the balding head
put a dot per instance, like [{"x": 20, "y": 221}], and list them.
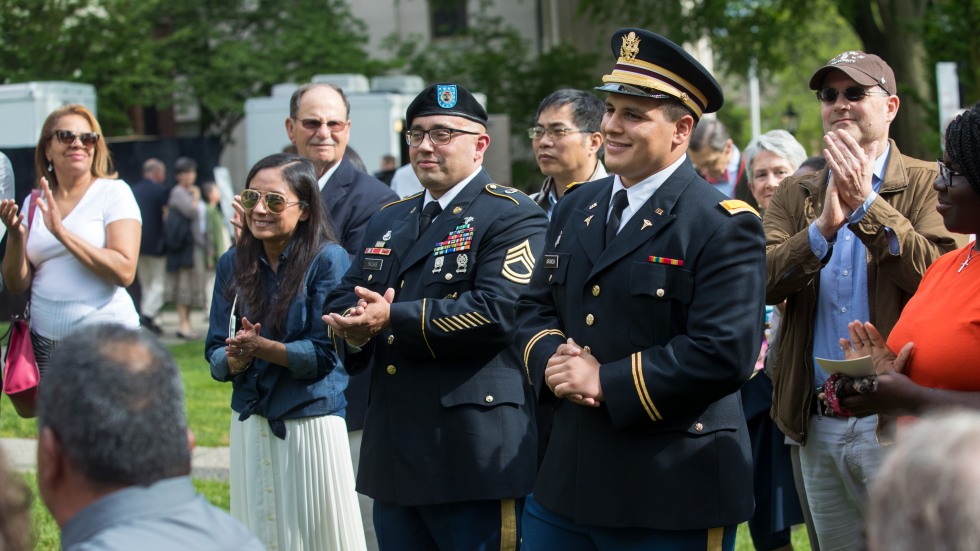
[{"x": 155, "y": 170}]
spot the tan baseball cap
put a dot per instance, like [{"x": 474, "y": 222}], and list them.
[{"x": 865, "y": 69}]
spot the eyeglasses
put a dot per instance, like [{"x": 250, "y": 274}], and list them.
[
  {"x": 947, "y": 173},
  {"x": 275, "y": 202},
  {"x": 67, "y": 137},
  {"x": 538, "y": 132},
  {"x": 314, "y": 125},
  {"x": 438, "y": 136},
  {"x": 852, "y": 94}
]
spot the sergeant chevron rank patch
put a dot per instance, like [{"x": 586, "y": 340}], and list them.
[{"x": 519, "y": 263}]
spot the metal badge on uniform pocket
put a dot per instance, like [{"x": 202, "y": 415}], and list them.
[
  {"x": 551, "y": 261},
  {"x": 438, "y": 264},
  {"x": 373, "y": 264},
  {"x": 461, "y": 261}
]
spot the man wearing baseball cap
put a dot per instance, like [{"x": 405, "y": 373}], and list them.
[
  {"x": 449, "y": 448},
  {"x": 850, "y": 242},
  {"x": 641, "y": 323}
]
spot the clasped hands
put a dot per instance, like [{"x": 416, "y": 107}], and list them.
[
  {"x": 573, "y": 373},
  {"x": 240, "y": 349},
  {"x": 891, "y": 395},
  {"x": 852, "y": 170},
  {"x": 367, "y": 318}
]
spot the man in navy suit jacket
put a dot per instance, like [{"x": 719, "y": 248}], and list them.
[
  {"x": 151, "y": 195},
  {"x": 319, "y": 126}
]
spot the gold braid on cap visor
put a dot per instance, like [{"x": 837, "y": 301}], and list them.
[{"x": 648, "y": 75}]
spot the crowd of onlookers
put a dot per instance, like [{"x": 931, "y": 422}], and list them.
[{"x": 453, "y": 368}]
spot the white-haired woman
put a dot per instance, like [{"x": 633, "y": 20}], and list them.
[{"x": 769, "y": 159}]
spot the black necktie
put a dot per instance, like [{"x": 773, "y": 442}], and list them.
[
  {"x": 430, "y": 211},
  {"x": 619, "y": 202}
]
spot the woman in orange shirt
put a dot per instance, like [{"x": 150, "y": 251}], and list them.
[{"x": 929, "y": 360}]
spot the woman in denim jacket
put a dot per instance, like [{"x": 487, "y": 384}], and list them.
[{"x": 292, "y": 482}]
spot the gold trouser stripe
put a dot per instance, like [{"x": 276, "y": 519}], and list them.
[
  {"x": 508, "y": 525},
  {"x": 715, "y": 538},
  {"x": 534, "y": 340},
  {"x": 641, "y": 387},
  {"x": 424, "y": 338}
]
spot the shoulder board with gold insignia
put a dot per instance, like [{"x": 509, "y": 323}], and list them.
[
  {"x": 503, "y": 191},
  {"x": 409, "y": 198},
  {"x": 735, "y": 206},
  {"x": 573, "y": 185}
]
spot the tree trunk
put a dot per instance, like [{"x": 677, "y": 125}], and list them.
[{"x": 893, "y": 29}]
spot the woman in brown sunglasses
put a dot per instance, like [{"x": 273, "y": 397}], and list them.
[{"x": 74, "y": 243}]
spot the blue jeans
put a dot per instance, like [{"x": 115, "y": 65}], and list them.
[{"x": 839, "y": 460}]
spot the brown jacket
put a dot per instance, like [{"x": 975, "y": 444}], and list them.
[{"x": 907, "y": 205}]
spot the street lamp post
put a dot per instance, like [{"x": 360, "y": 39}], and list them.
[{"x": 791, "y": 119}]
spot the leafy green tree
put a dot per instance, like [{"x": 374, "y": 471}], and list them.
[
  {"x": 780, "y": 33},
  {"x": 104, "y": 43},
  {"x": 492, "y": 57},
  {"x": 227, "y": 51},
  {"x": 213, "y": 54}
]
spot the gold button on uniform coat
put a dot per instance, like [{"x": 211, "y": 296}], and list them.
[
  {"x": 459, "y": 394},
  {"x": 675, "y": 344}
]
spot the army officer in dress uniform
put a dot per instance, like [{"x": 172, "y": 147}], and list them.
[
  {"x": 449, "y": 447},
  {"x": 642, "y": 320}
]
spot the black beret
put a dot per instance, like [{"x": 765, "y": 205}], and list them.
[
  {"x": 446, "y": 99},
  {"x": 649, "y": 65}
]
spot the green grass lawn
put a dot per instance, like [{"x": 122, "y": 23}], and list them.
[{"x": 208, "y": 402}]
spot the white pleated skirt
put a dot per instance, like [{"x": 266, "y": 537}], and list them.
[{"x": 295, "y": 494}]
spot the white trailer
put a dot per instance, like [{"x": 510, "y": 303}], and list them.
[{"x": 24, "y": 106}]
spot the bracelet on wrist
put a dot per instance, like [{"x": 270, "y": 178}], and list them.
[{"x": 235, "y": 372}]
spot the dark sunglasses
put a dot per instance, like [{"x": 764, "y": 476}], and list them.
[
  {"x": 67, "y": 137},
  {"x": 314, "y": 125},
  {"x": 852, "y": 94},
  {"x": 275, "y": 202}
]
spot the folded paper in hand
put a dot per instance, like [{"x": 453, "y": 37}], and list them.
[{"x": 857, "y": 367}]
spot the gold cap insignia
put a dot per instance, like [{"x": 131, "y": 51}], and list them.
[{"x": 630, "y": 47}]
